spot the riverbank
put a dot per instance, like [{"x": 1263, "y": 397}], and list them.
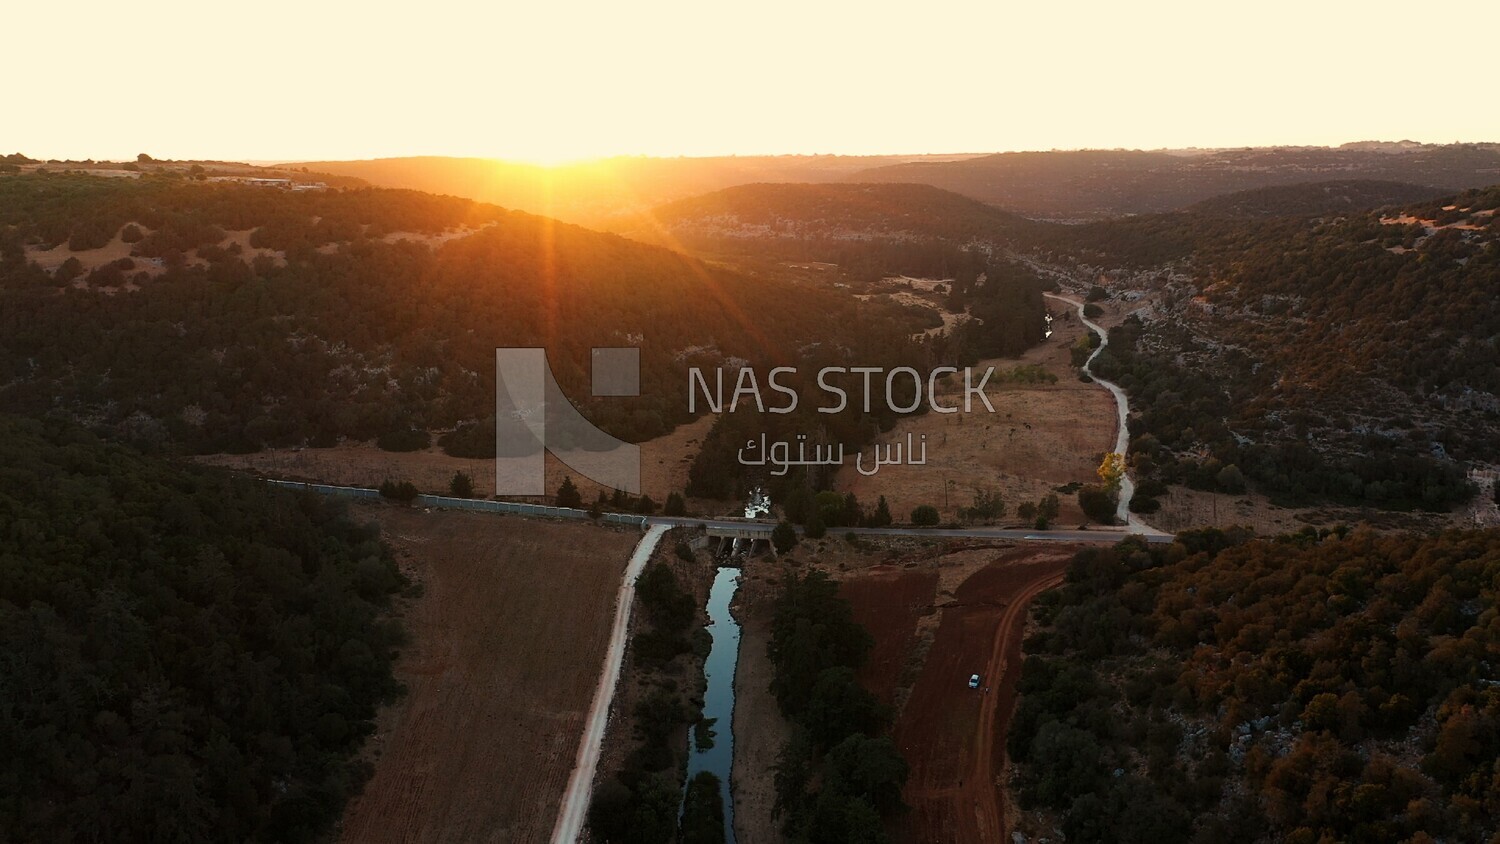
[{"x": 759, "y": 728}]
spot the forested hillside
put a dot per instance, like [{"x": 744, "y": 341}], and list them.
[
  {"x": 241, "y": 317},
  {"x": 1344, "y": 357},
  {"x": 184, "y": 655},
  {"x": 1305, "y": 200},
  {"x": 1333, "y": 687}
]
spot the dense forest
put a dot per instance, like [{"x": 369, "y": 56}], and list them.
[
  {"x": 1334, "y": 686},
  {"x": 1314, "y": 198},
  {"x": 184, "y": 655},
  {"x": 334, "y": 318},
  {"x": 1351, "y": 358}
]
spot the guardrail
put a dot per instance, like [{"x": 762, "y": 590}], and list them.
[{"x": 477, "y": 505}]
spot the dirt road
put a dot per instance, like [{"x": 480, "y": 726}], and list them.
[
  {"x": 1122, "y": 408},
  {"x": 952, "y": 736},
  {"x": 575, "y": 803}
]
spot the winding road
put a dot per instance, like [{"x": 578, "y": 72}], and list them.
[{"x": 1122, "y": 436}]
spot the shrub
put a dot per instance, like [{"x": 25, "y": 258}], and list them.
[
  {"x": 409, "y": 439},
  {"x": 784, "y": 537},
  {"x": 1097, "y": 503},
  {"x": 402, "y": 491},
  {"x": 925, "y": 516}
]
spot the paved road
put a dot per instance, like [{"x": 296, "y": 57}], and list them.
[
  {"x": 575, "y": 802},
  {"x": 1099, "y": 535}
]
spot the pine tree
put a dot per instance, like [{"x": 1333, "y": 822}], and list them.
[{"x": 568, "y": 495}]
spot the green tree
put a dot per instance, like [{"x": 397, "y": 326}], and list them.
[
  {"x": 403, "y": 491},
  {"x": 1097, "y": 503},
  {"x": 813, "y": 629},
  {"x": 870, "y": 768},
  {"x": 675, "y": 506},
  {"x": 702, "y": 811},
  {"x": 1048, "y": 507},
  {"x": 839, "y": 707},
  {"x": 925, "y": 516},
  {"x": 1230, "y": 479},
  {"x": 815, "y": 528},
  {"x": 784, "y": 537},
  {"x": 462, "y": 486},
  {"x": 568, "y": 495}
]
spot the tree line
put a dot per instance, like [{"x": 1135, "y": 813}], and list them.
[{"x": 184, "y": 654}]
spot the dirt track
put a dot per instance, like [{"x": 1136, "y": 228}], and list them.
[
  {"x": 507, "y": 643},
  {"x": 953, "y": 737}
]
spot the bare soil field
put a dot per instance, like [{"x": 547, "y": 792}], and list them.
[
  {"x": 890, "y": 600},
  {"x": 664, "y": 465},
  {"x": 952, "y": 736},
  {"x": 508, "y": 637},
  {"x": 1039, "y": 437}
]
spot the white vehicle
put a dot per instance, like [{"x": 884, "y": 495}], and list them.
[{"x": 973, "y": 681}]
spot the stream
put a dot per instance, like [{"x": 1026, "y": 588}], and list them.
[{"x": 718, "y": 699}]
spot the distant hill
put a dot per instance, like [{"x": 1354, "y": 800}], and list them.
[
  {"x": 1103, "y": 183},
  {"x": 837, "y": 210},
  {"x": 1316, "y": 198},
  {"x": 600, "y": 193},
  {"x": 199, "y": 169}
]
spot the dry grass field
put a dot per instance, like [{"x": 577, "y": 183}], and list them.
[
  {"x": 664, "y": 465},
  {"x": 507, "y": 640},
  {"x": 1039, "y": 437}
]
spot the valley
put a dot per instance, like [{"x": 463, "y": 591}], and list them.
[{"x": 1250, "y": 388}]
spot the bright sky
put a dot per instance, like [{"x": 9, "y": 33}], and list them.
[{"x": 548, "y": 80}]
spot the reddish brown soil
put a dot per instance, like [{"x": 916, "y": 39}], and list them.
[
  {"x": 952, "y": 736},
  {"x": 888, "y": 601}
]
